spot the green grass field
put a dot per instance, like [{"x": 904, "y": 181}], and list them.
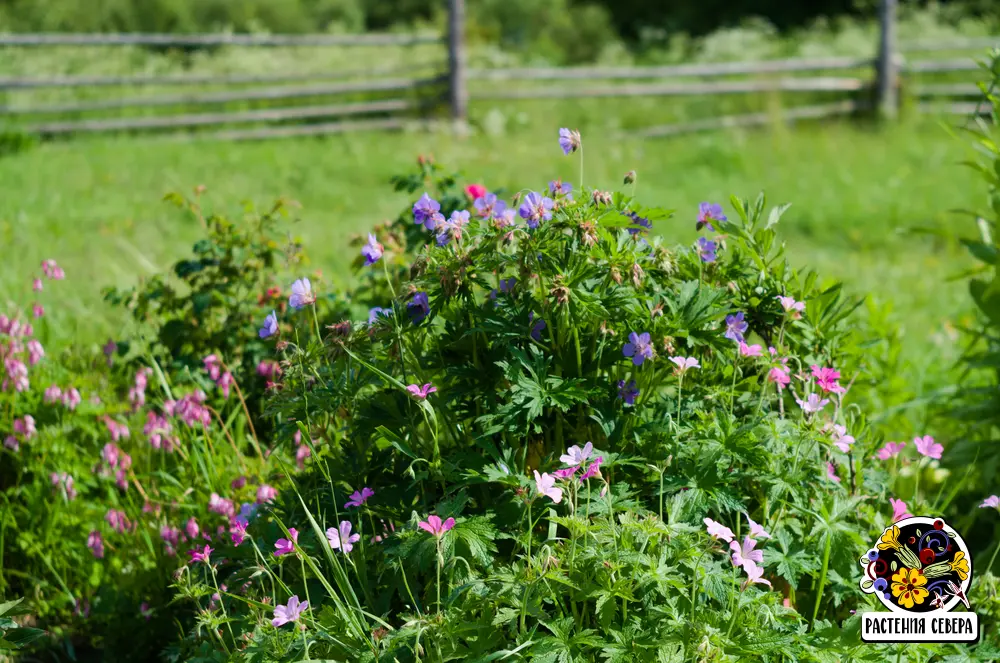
[{"x": 95, "y": 206}]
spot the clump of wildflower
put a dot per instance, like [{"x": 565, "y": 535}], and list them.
[
  {"x": 221, "y": 505},
  {"x": 117, "y": 429},
  {"x": 17, "y": 375},
  {"x": 157, "y": 430},
  {"x": 52, "y": 394},
  {"x": 52, "y": 270},
  {"x": 64, "y": 483},
  {"x": 190, "y": 409},
  {"x": 25, "y": 427},
  {"x": 96, "y": 544},
  {"x": 117, "y": 520}
]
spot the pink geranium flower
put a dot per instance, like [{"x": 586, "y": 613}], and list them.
[
  {"x": 792, "y": 306},
  {"x": 831, "y": 473},
  {"x": 826, "y": 379},
  {"x": 757, "y": 530},
  {"x": 779, "y": 376},
  {"x": 286, "y": 546},
  {"x": 266, "y": 493},
  {"x": 750, "y": 350},
  {"x": 719, "y": 531},
  {"x": 890, "y": 450},
  {"x": 928, "y": 447},
  {"x": 420, "y": 393},
  {"x": 813, "y": 404},
  {"x": 341, "y": 538},
  {"x": 200, "y": 555},
  {"x": 435, "y": 526},
  {"x": 755, "y": 574},
  {"x": 685, "y": 363},
  {"x": 96, "y": 544},
  {"x": 593, "y": 470},
  {"x": 359, "y": 497},
  {"x": 566, "y": 472},
  {"x": 576, "y": 456},
  {"x": 746, "y": 553},
  {"x": 546, "y": 485},
  {"x": 991, "y": 502},
  {"x": 899, "y": 509},
  {"x": 284, "y": 614},
  {"x": 841, "y": 439}
]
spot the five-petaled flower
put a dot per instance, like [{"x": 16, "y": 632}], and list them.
[
  {"x": 283, "y": 614},
  {"x": 757, "y": 530},
  {"x": 750, "y": 350},
  {"x": 435, "y": 526},
  {"x": 270, "y": 327},
  {"x": 890, "y": 450},
  {"x": 639, "y": 347},
  {"x": 359, "y": 497},
  {"x": 899, "y": 511},
  {"x": 706, "y": 249},
  {"x": 708, "y": 212},
  {"x": 928, "y": 447},
  {"x": 779, "y": 376},
  {"x": 560, "y": 188},
  {"x": 826, "y": 379},
  {"x": 718, "y": 530},
  {"x": 420, "y": 393},
  {"x": 577, "y": 456},
  {"x": 813, "y": 404},
  {"x": 535, "y": 209},
  {"x": 685, "y": 363},
  {"x": 302, "y": 294},
  {"x": 378, "y": 312},
  {"x": 200, "y": 555},
  {"x": 372, "y": 251},
  {"x": 489, "y": 206},
  {"x": 341, "y": 538},
  {"x": 593, "y": 470},
  {"x": 746, "y": 553},
  {"x": 628, "y": 391},
  {"x": 991, "y": 502},
  {"x": 908, "y": 587},
  {"x": 735, "y": 327},
  {"x": 425, "y": 210},
  {"x": 419, "y": 307},
  {"x": 546, "y": 485},
  {"x": 569, "y": 140},
  {"x": 841, "y": 439},
  {"x": 755, "y": 574},
  {"x": 792, "y": 306},
  {"x": 286, "y": 546}
]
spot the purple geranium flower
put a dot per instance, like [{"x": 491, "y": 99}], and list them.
[
  {"x": 424, "y": 209},
  {"x": 452, "y": 228},
  {"x": 537, "y": 327},
  {"x": 372, "y": 251},
  {"x": 569, "y": 140},
  {"x": 341, "y": 538},
  {"x": 270, "y": 327},
  {"x": 646, "y": 224},
  {"x": 708, "y": 212},
  {"x": 735, "y": 327},
  {"x": 628, "y": 392},
  {"x": 489, "y": 206},
  {"x": 535, "y": 208},
  {"x": 706, "y": 249},
  {"x": 378, "y": 312},
  {"x": 302, "y": 294},
  {"x": 639, "y": 347},
  {"x": 419, "y": 307},
  {"x": 560, "y": 188},
  {"x": 359, "y": 497}
]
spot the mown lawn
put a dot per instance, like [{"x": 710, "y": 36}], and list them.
[{"x": 95, "y": 205}]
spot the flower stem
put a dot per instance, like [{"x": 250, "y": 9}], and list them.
[
  {"x": 822, "y": 577},
  {"x": 680, "y": 387},
  {"x": 440, "y": 560}
]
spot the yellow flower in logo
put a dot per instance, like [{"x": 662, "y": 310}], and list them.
[
  {"x": 960, "y": 565},
  {"x": 889, "y": 539},
  {"x": 908, "y": 587}
]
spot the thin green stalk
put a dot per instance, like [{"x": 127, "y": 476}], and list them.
[
  {"x": 440, "y": 560},
  {"x": 822, "y": 577},
  {"x": 680, "y": 388},
  {"x": 989, "y": 567},
  {"x": 222, "y": 607}
]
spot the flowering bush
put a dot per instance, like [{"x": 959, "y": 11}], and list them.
[
  {"x": 113, "y": 464},
  {"x": 553, "y": 437}
]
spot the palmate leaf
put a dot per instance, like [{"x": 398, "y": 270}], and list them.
[{"x": 790, "y": 560}]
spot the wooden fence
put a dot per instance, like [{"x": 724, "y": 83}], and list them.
[{"x": 360, "y": 98}]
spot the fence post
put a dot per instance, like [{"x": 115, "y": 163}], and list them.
[
  {"x": 456, "y": 59},
  {"x": 888, "y": 69}
]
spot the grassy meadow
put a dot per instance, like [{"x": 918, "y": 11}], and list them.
[{"x": 95, "y": 205}]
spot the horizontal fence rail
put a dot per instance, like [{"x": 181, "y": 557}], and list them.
[
  {"x": 671, "y": 71},
  {"x": 181, "y": 40},
  {"x": 258, "y": 94},
  {"x": 305, "y": 102},
  {"x": 727, "y": 87},
  {"x": 25, "y": 83}
]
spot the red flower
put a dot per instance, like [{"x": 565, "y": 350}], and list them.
[{"x": 474, "y": 191}]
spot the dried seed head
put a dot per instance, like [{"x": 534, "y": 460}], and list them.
[
  {"x": 616, "y": 276},
  {"x": 589, "y": 230},
  {"x": 601, "y": 197},
  {"x": 637, "y": 275}
]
